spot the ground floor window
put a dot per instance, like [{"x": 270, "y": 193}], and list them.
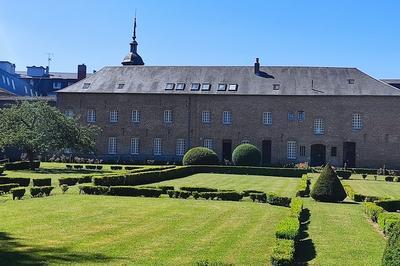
[
  {"x": 291, "y": 149},
  {"x": 333, "y": 152},
  {"x": 135, "y": 146},
  {"x": 157, "y": 149},
  {"x": 112, "y": 145},
  {"x": 302, "y": 151},
  {"x": 180, "y": 147}
]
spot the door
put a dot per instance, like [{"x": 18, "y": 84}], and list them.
[
  {"x": 227, "y": 149},
  {"x": 318, "y": 155},
  {"x": 349, "y": 154},
  {"x": 266, "y": 152}
]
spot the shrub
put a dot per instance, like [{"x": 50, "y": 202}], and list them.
[
  {"x": 78, "y": 166},
  {"x": 386, "y": 219},
  {"x": 93, "y": 190},
  {"x": 171, "y": 193},
  {"x": 115, "y": 167},
  {"x": 246, "y": 155},
  {"x": 1, "y": 169},
  {"x": 22, "y": 165},
  {"x": 182, "y": 194},
  {"x": 41, "y": 191},
  {"x": 90, "y": 167},
  {"x": 246, "y": 193},
  {"x": 17, "y": 193},
  {"x": 85, "y": 179},
  {"x": 70, "y": 181},
  {"x": 99, "y": 167},
  {"x": 303, "y": 189},
  {"x": 296, "y": 208},
  {"x": 229, "y": 195},
  {"x": 389, "y": 178},
  {"x": 199, "y": 189},
  {"x": 200, "y": 156},
  {"x": 130, "y": 168},
  {"x": 372, "y": 210},
  {"x": 328, "y": 187},
  {"x": 64, "y": 188},
  {"x": 164, "y": 189},
  {"x": 345, "y": 174},
  {"x": 68, "y": 166},
  {"x": 283, "y": 253},
  {"x": 389, "y": 205},
  {"x": 396, "y": 179},
  {"x": 391, "y": 256},
  {"x": 359, "y": 197},
  {"x": 274, "y": 199},
  {"x": 260, "y": 197},
  {"x": 288, "y": 228},
  {"x": 41, "y": 182},
  {"x": 5, "y": 188},
  {"x": 134, "y": 191},
  {"x": 364, "y": 176},
  {"x": 22, "y": 181}
]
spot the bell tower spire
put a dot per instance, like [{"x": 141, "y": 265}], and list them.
[{"x": 133, "y": 58}]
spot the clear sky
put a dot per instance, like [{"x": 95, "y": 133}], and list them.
[{"x": 353, "y": 33}]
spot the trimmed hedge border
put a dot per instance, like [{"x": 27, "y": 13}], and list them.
[
  {"x": 5, "y": 188},
  {"x": 93, "y": 190},
  {"x": 41, "y": 182},
  {"x": 21, "y": 165},
  {"x": 22, "y": 181},
  {"x": 134, "y": 191},
  {"x": 303, "y": 189},
  {"x": 389, "y": 205},
  {"x": 17, "y": 193},
  {"x": 360, "y": 197},
  {"x": 2, "y": 168},
  {"x": 41, "y": 191}
]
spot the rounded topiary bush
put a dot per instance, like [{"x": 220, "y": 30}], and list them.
[
  {"x": 200, "y": 156},
  {"x": 328, "y": 187},
  {"x": 246, "y": 155}
]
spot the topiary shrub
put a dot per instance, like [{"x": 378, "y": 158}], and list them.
[
  {"x": 246, "y": 155},
  {"x": 17, "y": 193},
  {"x": 41, "y": 182},
  {"x": 328, "y": 187},
  {"x": 345, "y": 174},
  {"x": 200, "y": 156}
]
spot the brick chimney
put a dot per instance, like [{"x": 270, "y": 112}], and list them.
[
  {"x": 81, "y": 71},
  {"x": 257, "y": 66}
]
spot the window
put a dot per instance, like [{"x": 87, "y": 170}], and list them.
[
  {"x": 112, "y": 145},
  {"x": 333, "y": 151},
  {"x": 206, "y": 117},
  {"x": 267, "y": 118},
  {"x": 350, "y": 81},
  {"x": 135, "y": 116},
  {"x": 113, "y": 116},
  {"x": 120, "y": 86},
  {"x": 318, "y": 126},
  {"x": 301, "y": 116},
  {"x": 180, "y": 147},
  {"x": 157, "y": 146},
  {"x": 135, "y": 146},
  {"x": 31, "y": 92},
  {"x": 4, "y": 79},
  {"x": 69, "y": 113},
  {"x": 169, "y": 86},
  {"x": 290, "y": 116},
  {"x": 302, "y": 151},
  {"x": 221, "y": 87},
  {"x": 357, "y": 121},
  {"x": 168, "y": 116},
  {"x": 276, "y": 87},
  {"x": 26, "y": 90},
  {"x": 232, "y": 87},
  {"x": 86, "y": 86},
  {"x": 8, "y": 81},
  {"x": 91, "y": 116},
  {"x": 245, "y": 141},
  {"x": 208, "y": 143},
  {"x": 195, "y": 87},
  {"x": 291, "y": 149},
  {"x": 205, "y": 86},
  {"x": 227, "y": 117},
  {"x": 56, "y": 85},
  {"x": 13, "y": 84},
  {"x": 180, "y": 86}
]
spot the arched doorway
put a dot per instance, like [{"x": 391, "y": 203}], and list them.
[{"x": 318, "y": 155}]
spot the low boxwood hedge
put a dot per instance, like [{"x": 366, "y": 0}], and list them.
[
  {"x": 387, "y": 219},
  {"x": 93, "y": 190},
  {"x": 246, "y": 193},
  {"x": 260, "y": 197},
  {"x": 85, "y": 179},
  {"x": 22, "y": 181},
  {"x": 389, "y": 205},
  {"x": 115, "y": 167},
  {"x": 70, "y": 181},
  {"x": 372, "y": 210},
  {"x": 41, "y": 182},
  {"x": 78, "y": 166},
  {"x": 90, "y": 167},
  {"x": 344, "y": 174},
  {"x": 5, "y": 188},
  {"x": 1, "y": 169},
  {"x": 134, "y": 191},
  {"x": 283, "y": 253},
  {"x": 275, "y": 199},
  {"x": 288, "y": 228},
  {"x": 199, "y": 189},
  {"x": 296, "y": 207},
  {"x": 303, "y": 188},
  {"x": 17, "y": 193},
  {"x": 389, "y": 178},
  {"x": 41, "y": 191},
  {"x": 179, "y": 194},
  {"x": 359, "y": 197},
  {"x": 21, "y": 165},
  {"x": 391, "y": 256}
]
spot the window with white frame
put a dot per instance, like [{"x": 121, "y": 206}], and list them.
[
  {"x": 169, "y": 86},
  {"x": 135, "y": 116},
  {"x": 208, "y": 143},
  {"x": 232, "y": 87},
  {"x": 319, "y": 126},
  {"x": 302, "y": 151},
  {"x": 168, "y": 116},
  {"x": 195, "y": 87},
  {"x": 135, "y": 146},
  {"x": 205, "y": 86},
  {"x": 206, "y": 117},
  {"x": 69, "y": 113},
  {"x": 222, "y": 87},
  {"x": 291, "y": 149},
  {"x": 56, "y": 85},
  {"x": 157, "y": 148},
  {"x": 91, "y": 116},
  {"x": 113, "y": 116},
  {"x": 267, "y": 118},
  {"x": 112, "y": 145},
  {"x": 356, "y": 122},
  {"x": 180, "y": 86},
  {"x": 180, "y": 147},
  {"x": 227, "y": 117}
]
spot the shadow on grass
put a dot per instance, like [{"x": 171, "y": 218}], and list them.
[
  {"x": 13, "y": 252},
  {"x": 305, "y": 249}
]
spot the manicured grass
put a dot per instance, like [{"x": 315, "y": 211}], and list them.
[
  {"x": 375, "y": 188},
  {"x": 284, "y": 186},
  {"x": 75, "y": 228},
  {"x": 342, "y": 235}
]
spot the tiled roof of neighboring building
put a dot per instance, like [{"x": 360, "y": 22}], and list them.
[
  {"x": 274, "y": 80},
  {"x": 15, "y": 85},
  {"x": 53, "y": 75}
]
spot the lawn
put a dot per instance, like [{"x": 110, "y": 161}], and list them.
[
  {"x": 73, "y": 228},
  {"x": 284, "y": 186},
  {"x": 375, "y": 188}
]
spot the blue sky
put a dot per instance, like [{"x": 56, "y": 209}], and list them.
[{"x": 353, "y": 33}]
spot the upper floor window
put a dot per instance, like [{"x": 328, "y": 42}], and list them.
[
  {"x": 301, "y": 115},
  {"x": 135, "y": 116},
  {"x": 291, "y": 116},
  {"x": 221, "y": 87},
  {"x": 113, "y": 116},
  {"x": 91, "y": 116},
  {"x": 168, "y": 116},
  {"x": 291, "y": 149},
  {"x": 169, "y": 86},
  {"x": 180, "y": 86},
  {"x": 205, "y": 86},
  {"x": 112, "y": 145},
  {"x": 267, "y": 118},
  {"x": 208, "y": 143},
  {"x": 180, "y": 147},
  {"x": 157, "y": 148},
  {"x": 357, "y": 121},
  {"x": 135, "y": 146},
  {"x": 232, "y": 87},
  {"x": 319, "y": 126},
  {"x": 69, "y": 113},
  {"x": 227, "y": 117},
  {"x": 56, "y": 85},
  {"x": 206, "y": 117},
  {"x": 195, "y": 87}
]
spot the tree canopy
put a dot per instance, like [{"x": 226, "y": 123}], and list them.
[{"x": 36, "y": 127}]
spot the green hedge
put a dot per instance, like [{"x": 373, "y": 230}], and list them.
[
  {"x": 199, "y": 189},
  {"x": 303, "y": 188},
  {"x": 389, "y": 178},
  {"x": 288, "y": 228},
  {"x": 275, "y": 199},
  {"x": 283, "y": 253},
  {"x": 247, "y": 192},
  {"x": 22, "y": 181},
  {"x": 134, "y": 191},
  {"x": 22, "y": 165},
  {"x": 115, "y": 167},
  {"x": 70, "y": 181},
  {"x": 260, "y": 197},
  {"x": 5, "y": 188},
  {"x": 179, "y": 194},
  {"x": 391, "y": 256},
  {"x": 387, "y": 219},
  {"x": 17, "y": 193},
  {"x": 345, "y": 174},
  {"x": 1, "y": 169},
  {"x": 296, "y": 207},
  {"x": 93, "y": 190},
  {"x": 200, "y": 156},
  {"x": 246, "y": 155},
  {"x": 41, "y": 182},
  {"x": 41, "y": 191},
  {"x": 389, "y": 205},
  {"x": 359, "y": 197},
  {"x": 372, "y": 210}
]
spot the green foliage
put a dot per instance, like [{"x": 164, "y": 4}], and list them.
[
  {"x": 41, "y": 182},
  {"x": 134, "y": 191},
  {"x": 22, "y": 165},
  {"x": 22, "y": 181},
  {"x": 391, "y": 256},
  {"x": 283, "y": 253},
  {"x": 328, "y": 187},
  {"x": 93, "y": 190},
  {"x": 78, "y": 166},
  {"x": 70, "y": 181},
  {"x": 115, "y": 167},
  {"x": 1, "y": 169},
  {"x": 200, "y": 156},
  {"x": 164, "y": 189},
  {"x": 260, "y": 197},
  {"x": 296, "y": 207},
  {"x": 303, "y": 189},
  {"x": 288, "y": 228},
  {"x": 389, "y": 205},
  {"x": 345, "y": 174},
  {"x": 275, "y": 199},
  {"x": 64, "y": 188},
  {"x": 199, "y": 189},
  {"x": 359, "y": 197},
  {"x": 5, "y": 188},
  {"x": 389, "y": 178},
  {"x": 17, "y": 193},
  {"x": 41, "y": 191},
  {"x": 387, "y": 219},
  {"x": 372, "y": 210},
  {"x": 246, "y": 155},
  {"x": 90, "y": 167},
  {"x": 246, "y": 193}
]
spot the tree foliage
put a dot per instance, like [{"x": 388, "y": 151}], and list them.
[
  {"x": 246, "y": 155},
  {"x": 200, "y": 156},
  {"x": 328, "y": 187}
]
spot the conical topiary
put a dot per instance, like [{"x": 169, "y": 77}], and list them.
[{"x": 328, "y": 187}]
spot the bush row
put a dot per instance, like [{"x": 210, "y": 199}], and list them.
[
  {"x": 199, "y": 189},
  {"x": 288, "y": 228},
  {"x": 391, "y": 256},
  {"x": 22, "y": 181},
  {"x": 72, "y": 181},
  {"x": 134, "y": 191},
  {"x": 359, "y": 197},
  {"x": 389, "y": 205},
  {"x": 270, "y": 198},
  {"x": 22, "y": 165},
  {"x": 41, "y": 191},
  {"x": 41, "y": 182},
  {"x": 1, "y": 169},
  {"x": 17, "y": 193},
  {"x": 386, "y": 220},
  {"x": 372, "y": 211},
  {"x": 344, "y": 174},
  {"x": 80, "y": 166},
  {"x": 93, "y": 190},
  {"x": 5, "y": 188},
  {"x": 303, "y": 189},
  {"x": 392, "y": 178}
]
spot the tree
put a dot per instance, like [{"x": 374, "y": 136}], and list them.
[
  {"x": 200, "y": 156},
  {"x": 246, "y": 155},
  {"x": 36, "y": 127},
  {"x": 328, "y": 187}
]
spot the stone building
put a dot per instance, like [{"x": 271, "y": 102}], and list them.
[{"x": 293, "y": 114}]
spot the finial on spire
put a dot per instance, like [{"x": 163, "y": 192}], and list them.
[
  {"x": 134, "y": 27},
  {"x": 133, "y": 58}
]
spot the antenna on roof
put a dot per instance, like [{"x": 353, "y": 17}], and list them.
[{"x": 49, "y": 59}]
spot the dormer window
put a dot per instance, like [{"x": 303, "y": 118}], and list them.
[
  {"x": 195, "y": 87},
  {"x": 180, "y": 86},
  {"x": 232, "y": 87},
  {"x": 221, "y": 87},
  {"x": 120, "y": 86},
  {"x": 169, "y": 86},
  {"x": 276, "y": 87},
  {"x": 86, "y": 86},
  {"x": 205, "y": 86},
  {"x": 350, "y": 81}
]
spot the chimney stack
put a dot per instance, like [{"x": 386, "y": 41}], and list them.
[
  {"x": 257, "y": 66},
  {"x": 81, "y": 72}
]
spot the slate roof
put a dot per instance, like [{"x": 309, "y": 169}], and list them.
[
  {"x": 307, "y": 81},
  {"x": 15, "y": 85},
  {"x": 53, "y": 75}
]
